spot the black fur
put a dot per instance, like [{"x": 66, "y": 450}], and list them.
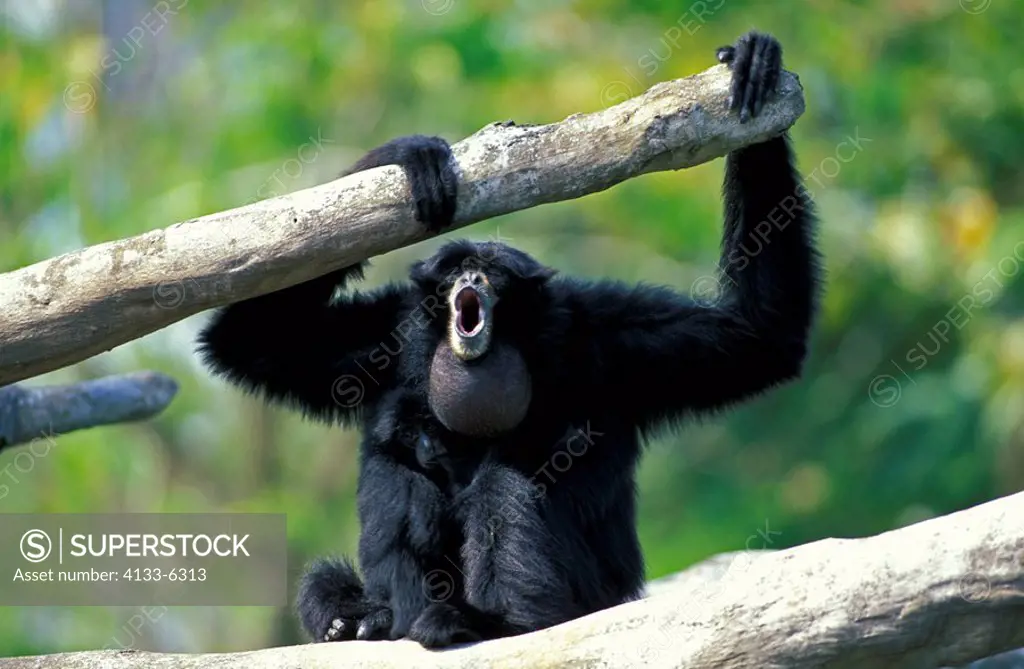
[
  {"x": 464, "y": 539},
  {"x": 428, "y": 165}
]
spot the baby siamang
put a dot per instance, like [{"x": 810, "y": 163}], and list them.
[{"x": 503, "y": 407}]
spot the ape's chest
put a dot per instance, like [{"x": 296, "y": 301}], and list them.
[{"x": 541, "y": 455}]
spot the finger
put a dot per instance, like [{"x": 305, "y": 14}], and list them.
[
  {"x": 758, "y": 75},
  {"x": 420, "y": 198},
  {"x": 740, "y": 73},
  {"x": 374, "y": 627},
  {"x": 775, "y": 68},
  {"x": 725, "y": 54},
  {"x": 452, "y": 186},
  {"x": 755, "y": 87},
  {"x": 432, "y": 188},
  {"x": 445, "y": 188},
  {"x": 746, "y": 96},
  {"x": 338, "y": 630}
]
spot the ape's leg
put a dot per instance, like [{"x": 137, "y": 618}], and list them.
[
  {"x": 401, "y": 548},
  {"x": 333, "y": 606},
  {"x": 403, "y": 540},
  {"x": 516, "y": 568}
]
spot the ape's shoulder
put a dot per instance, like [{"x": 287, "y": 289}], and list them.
[{"x": 605, "y": 301}]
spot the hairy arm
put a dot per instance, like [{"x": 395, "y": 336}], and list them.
[
  {"x": 296, "y": 345},
  {"x": 661, "y": 353}
]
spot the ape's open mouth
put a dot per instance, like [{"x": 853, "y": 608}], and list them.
[{"x": 469, "y": 312}]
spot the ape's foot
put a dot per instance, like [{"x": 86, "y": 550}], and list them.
[
  {"x": 340, "y": 629},
  {"x": 442, "y": 625},
  {"x": 333, "y": 607},
  {"x": 375, "y": 626}
]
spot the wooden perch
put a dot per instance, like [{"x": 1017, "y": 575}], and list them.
[
  {"x": 32, "y": 413},
  {"x": 939, "y": 593},
  {"x": 63, "y": 310}
]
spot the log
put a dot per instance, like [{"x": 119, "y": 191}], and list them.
[
  {"x": 939, "y": 593},
  {"x": 63, "y": 310},
  {"x": 46, "y": 411}
]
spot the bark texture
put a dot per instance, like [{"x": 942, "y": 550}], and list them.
[
  {"x": 940, "y": 593},
  {"x": 63, "y": 310}
]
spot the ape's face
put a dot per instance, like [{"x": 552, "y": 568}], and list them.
[
  {"x": 474, "y": 278},
  {"x": 479, "y": 381},
  {"x": 471, "y": 303}
]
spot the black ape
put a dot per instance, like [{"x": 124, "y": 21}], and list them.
[{"x": 519, "y": 514}]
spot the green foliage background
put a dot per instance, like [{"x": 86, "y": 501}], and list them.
[{"x": 103, "y": 137}]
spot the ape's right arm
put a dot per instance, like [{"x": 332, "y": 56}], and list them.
[{"x": 298, "y": 348}]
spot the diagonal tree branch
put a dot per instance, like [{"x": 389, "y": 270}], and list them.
[
  {"x": 939, "y": 593},
  {"x": 63, "y": 310},
  {"x": 31, "y": 413}
]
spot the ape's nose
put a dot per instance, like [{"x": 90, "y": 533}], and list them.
[{"x": 475, "y": 278}]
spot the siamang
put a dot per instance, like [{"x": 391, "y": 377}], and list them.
[{"x": 504, "y": 406}]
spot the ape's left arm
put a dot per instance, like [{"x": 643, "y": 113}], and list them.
[{"x": 661, "y": 353}]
